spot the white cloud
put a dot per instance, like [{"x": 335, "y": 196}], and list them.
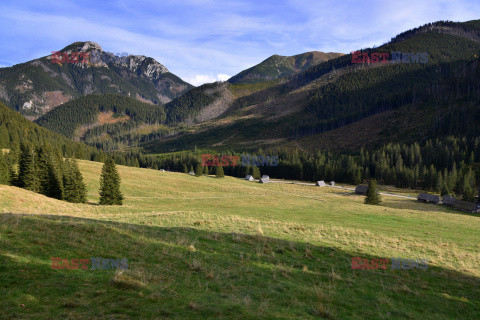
[
  {"x": 223, "y": 77},
  {"x": 200, "y": 79}
]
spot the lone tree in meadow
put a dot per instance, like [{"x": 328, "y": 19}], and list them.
[
  {"x": 110, "y": 184},
  {"x": 372, "y": 196},
  {"x": 219, "y": 172},
  {"x": 74, "y": 187}
]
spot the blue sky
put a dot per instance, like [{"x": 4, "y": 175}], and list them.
[{"x": 206, "y": 40}]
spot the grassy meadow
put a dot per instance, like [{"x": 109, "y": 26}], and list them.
[{"x": 203, "y": 248}]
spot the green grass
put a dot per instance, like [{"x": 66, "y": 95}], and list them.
[{"x": 204, "y": 248}]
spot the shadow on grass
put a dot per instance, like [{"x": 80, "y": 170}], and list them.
[
  {"x": 400, "y": 204},
  {"x": 188, "y": 273}
]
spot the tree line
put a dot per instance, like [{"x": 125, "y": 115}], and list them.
[
  {"x": 43, "y": 170},
  {"x": 446, "y": 166}
]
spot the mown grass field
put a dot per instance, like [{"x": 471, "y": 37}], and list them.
[{"x": 203, "y": 248}]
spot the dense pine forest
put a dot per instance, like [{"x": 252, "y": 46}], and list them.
[
  {"x": 83, "y": 111},
  {"x": 43, "y": 170},
  {"x": 446, "y": 166}
]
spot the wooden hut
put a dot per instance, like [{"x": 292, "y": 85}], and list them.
[
  {"x": 466, "y": 206},
  {"x": 249, "y": 178},
  {"x": 448, "y": 200},
  {"x": 361, "y": 189},
  {"x": 265, "y": 179},
  {"x": 431, "y": 198}
]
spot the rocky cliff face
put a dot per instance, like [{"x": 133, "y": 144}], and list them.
[{"x": 37, "y": 86}]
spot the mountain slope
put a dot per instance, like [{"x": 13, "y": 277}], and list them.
[
  {"x": 278, "y": 66},
  {"x": 105, "y": 121},
  {"x": 15, "y": 129},
  {"x": 336, "y": 93},
  {"x": 37, "y": 86}
]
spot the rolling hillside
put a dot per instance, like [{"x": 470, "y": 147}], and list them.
[{"x": 280, "y": 251}]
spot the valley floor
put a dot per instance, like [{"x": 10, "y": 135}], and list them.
[{"x": 203, "y": 248}]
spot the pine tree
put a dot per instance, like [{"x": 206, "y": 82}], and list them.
[
  {"x": 199, "y": 170},
  {"x": 372, "y": 196},
  {"x": 4, "y": 169},
  {"x": 468, "y": 189},
  {"x": 219, "y": 172},
  {"x": 27, "y": 169},
  {"x": 205, "y": 170},
  {"x": 110, "y": 184},
  {"x": 439, "y": 183},
  {"x": 184, "y": 168},
  {"x": 75, "y": 189},
  {"x": 256, "y": 173}
]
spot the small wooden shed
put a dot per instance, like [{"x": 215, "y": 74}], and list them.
[
  {"x": 265, "y": 179},
  {"x": 249, "y": 178},
  {"x": 431, "y": 198},
  {"x": 466, "y": 206},
  {"x": 361, "y": 189},
  {"x": 448, "y": 200}
]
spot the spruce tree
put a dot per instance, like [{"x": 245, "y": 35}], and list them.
[
  {"x": 205, "y": 170},
  {"x": 219, "y": 172},
  {"x": 439, "y": 183},
  {"x": 372, "y": 196},
  {"x": 468, "y": 188},
  {"x": 256, "y": 173},
  {"x": 75, "y": 189},
  {"x": 110, "y": 184},
  {"x": 199, "y": 170},
  {"x": 4, "y": 169},
  {"x": 184, "y": 168},
  {"x": 27, "y": 169}
]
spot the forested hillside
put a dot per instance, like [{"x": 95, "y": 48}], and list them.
[
  {"x": 443, "y": 92},
  {"x": 15, "y": 129},
  {"x": 67, "y": 118}
]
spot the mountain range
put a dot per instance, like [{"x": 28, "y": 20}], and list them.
[
  {"x": 310, "y": 101},
  {"x": 35, "y": 87}
]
